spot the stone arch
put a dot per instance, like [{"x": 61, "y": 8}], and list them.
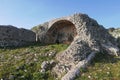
[{"x": 62, "y": 31}]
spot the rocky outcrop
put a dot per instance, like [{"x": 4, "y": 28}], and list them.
[
  {"x": 114, "y": 32},
  {"x": 84, "y": 35},
  {"x": 12, "y": 36}
]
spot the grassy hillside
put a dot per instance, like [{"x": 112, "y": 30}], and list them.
[{"x": 25, "y": 63}]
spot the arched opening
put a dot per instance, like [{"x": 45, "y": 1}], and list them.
[{"x": 61, "y": 32}]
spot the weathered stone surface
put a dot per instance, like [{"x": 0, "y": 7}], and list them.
[
  {"x": 12, "y": 36},
  {"x": 76, "y": 70},
  {"x": 83, "y": 34},
  {"x": 46, "y": 65},
  {"x": 114, "y": 32}
]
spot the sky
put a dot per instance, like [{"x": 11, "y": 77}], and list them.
[{"x": 29, "y": 13}]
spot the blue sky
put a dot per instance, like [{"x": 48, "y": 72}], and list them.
[{"x": 28, "y": 13}]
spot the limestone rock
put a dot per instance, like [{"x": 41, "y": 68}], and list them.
[
  {"x": 114, "y": 32},
  {"x": 45, "y": 65},
  {"x": 12, "y": 36}
]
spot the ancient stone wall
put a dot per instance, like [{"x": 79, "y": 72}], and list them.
[
  {"x": 87, "y": 37},
  {"x": 12, "y": 36}
]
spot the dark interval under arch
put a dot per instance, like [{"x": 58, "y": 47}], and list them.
[{"x": 62, "y": 31}]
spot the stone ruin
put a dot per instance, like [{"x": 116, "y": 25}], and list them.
[
  {"x": 86, "y": 38},
  {"x": 83, "y": 34},
  {"x": 12, "y": 36}
]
